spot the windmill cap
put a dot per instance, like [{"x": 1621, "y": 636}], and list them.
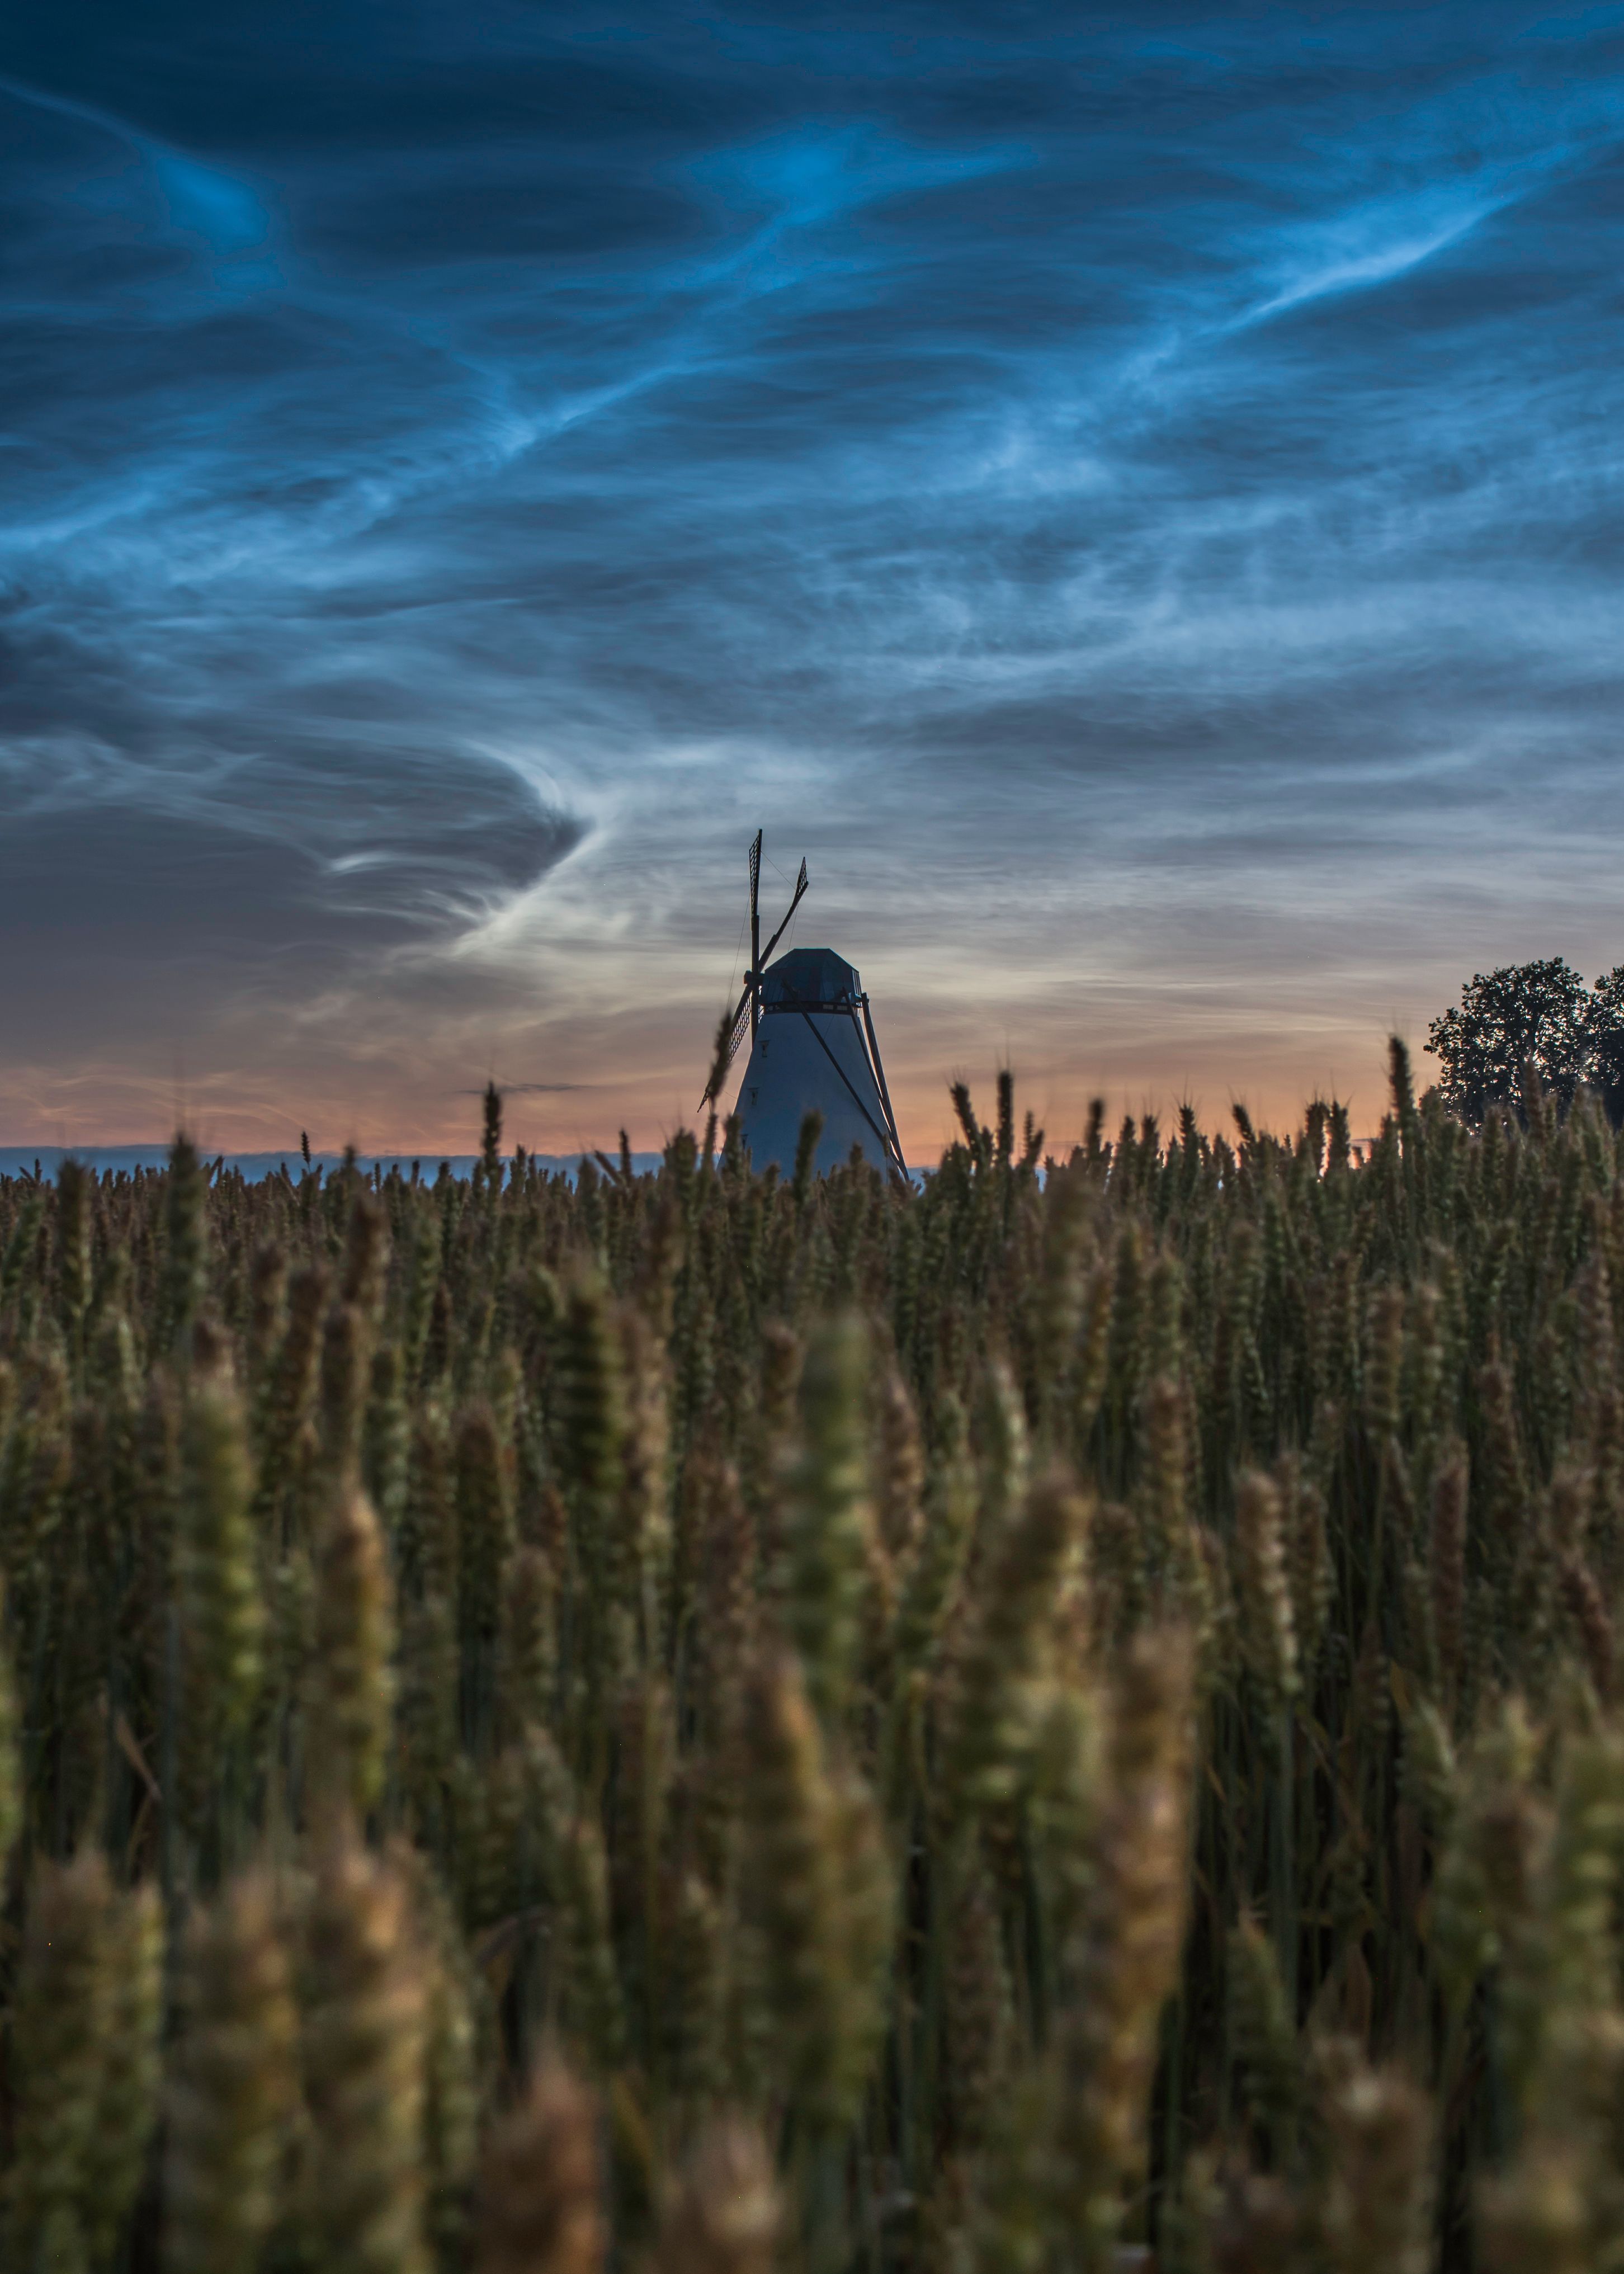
[{"x": 809, "y": 975}]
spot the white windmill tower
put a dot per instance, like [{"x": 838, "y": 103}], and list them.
[{"x": 813, "y": 1048}]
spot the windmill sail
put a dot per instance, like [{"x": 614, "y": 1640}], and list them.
[{"x": 749, "y": 1008}]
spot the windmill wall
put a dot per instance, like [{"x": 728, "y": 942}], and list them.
[{"x": 810, "y": 1058}]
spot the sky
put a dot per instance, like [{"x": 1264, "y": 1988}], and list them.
[{"x": 1135, "y": 497}]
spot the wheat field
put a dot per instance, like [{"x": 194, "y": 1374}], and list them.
[{"x": 1065, "y": 1720}]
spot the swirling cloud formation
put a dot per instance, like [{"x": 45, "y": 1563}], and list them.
[{"x": 1133, "y": 495}]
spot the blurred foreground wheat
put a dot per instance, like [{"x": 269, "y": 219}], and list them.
[{"x": 719, "y": 1722}]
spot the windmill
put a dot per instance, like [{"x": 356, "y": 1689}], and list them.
[{"x": 813, "y": 1049}]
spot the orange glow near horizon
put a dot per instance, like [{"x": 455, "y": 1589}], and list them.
[{"x": 382, "y": 1109}]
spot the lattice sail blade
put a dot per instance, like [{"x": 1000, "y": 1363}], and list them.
[
  {"x": 801, "y": 881},
  {"x": 730, "y": 1050}
]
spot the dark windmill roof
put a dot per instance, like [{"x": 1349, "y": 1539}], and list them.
[{"x": 808, "y": 975}]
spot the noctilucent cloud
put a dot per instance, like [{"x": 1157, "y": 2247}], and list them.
[{"x": 1137, "y": 497}]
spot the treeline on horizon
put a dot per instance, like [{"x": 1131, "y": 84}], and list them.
[{"x": 721, "y": 1721}]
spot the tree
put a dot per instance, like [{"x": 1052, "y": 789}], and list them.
[
  {"x": 1537, "y": 1013},
  {"x": 1606, "y": 1022}
]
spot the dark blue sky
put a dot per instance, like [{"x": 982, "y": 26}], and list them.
[{"x": 1135, "y": 496}]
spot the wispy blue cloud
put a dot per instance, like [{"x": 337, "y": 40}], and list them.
[{"x": 1137, "y": 499}]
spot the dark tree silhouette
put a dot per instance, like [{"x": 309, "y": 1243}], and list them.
[
  {"x": 1537, "y": 1015},
  {"x": 1606, "y": 1021}
]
